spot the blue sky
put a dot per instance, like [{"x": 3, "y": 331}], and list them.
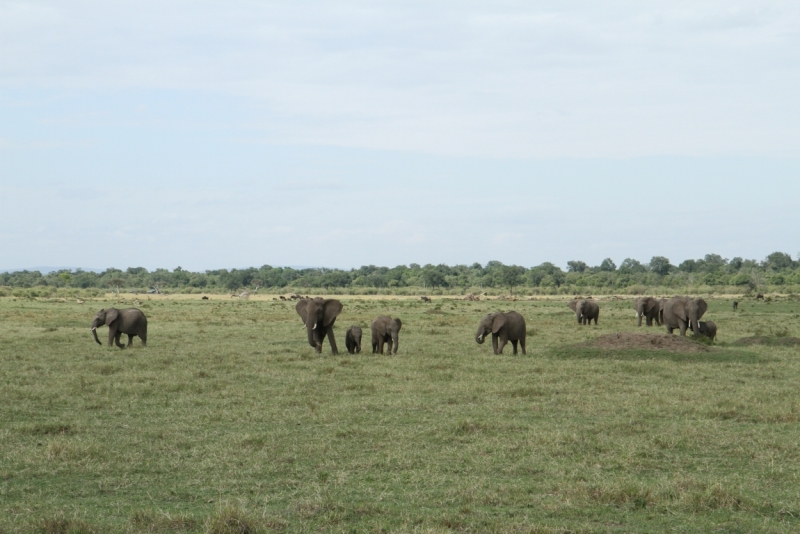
[{"x": 211, "y": 135}]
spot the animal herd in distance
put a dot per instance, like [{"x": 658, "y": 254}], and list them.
[{"x": 319, "y": 316}]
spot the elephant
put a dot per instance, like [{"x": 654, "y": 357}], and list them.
[
  {"x": 129, "y": 321},
  {"x": 682, "y": 313},
  {"x": 318, "y": 315},
  {"x": 585, "y": 310},
  {"x": 385, "y": 330},
  {"x": 708, "y": 329},
  {"x": 505, "y": 327},
  {"x": 735, "y": 305},
  {"x": 649, "y": 308},
  {"x": 352, "y": 339}
]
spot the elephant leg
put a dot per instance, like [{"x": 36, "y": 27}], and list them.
[
  {"x": 596, "y": 317},
  {"x": 669, "y": 329},
  {"x": 117, "y": 340},
  {"x": 389, "y": 347},
  {"x": 331, "y": 340},
  {"x": 522, "y": 345},
  {"x": 502, "y": 343},
  {"x": 130, "y": 340},
  {"x": 143, "y": 337},
  {"x": 640, "y": 320},
  {"x": 682, "y": 327},
  {"x": 514, "y": 344},
  {"x": 494, "y": 343},
  {"x": 648, "y": 321},
  {"x": 111, "y": 334}
]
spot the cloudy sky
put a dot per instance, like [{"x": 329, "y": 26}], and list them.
[{"x": 241, "y": 133}]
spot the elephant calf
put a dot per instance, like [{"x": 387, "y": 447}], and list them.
[
  {"x": 708, "y": 329},
  {"x": 385, "y": 330},
  {"x": 129, "y": 321},
  {"x": 352, "y": 339},
  {"x": 504, "y": 327},
  {"x": 585, "y": 310}
]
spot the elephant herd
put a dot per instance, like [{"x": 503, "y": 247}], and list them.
[
  {"x": 680, "y": 313},
  {"x": 319, "y": 316}
]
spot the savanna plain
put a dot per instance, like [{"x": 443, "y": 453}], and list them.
[{"x": 229, "y": 422}]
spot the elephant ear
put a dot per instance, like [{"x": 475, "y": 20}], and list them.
[
  {"x": 332, "y": 310},
  {"x": 399, "y": 324},
  {"x": 701, "y": 307},
  {"x": 652, "y": 304},
  {"x": 111, "y": 315},
  {"x": 498, "y": 322},
  {"x": 573, "y": 304},
  {"x": 302, "y": 309}
]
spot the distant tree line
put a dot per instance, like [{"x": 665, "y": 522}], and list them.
[{"x": 713, "y": 271}]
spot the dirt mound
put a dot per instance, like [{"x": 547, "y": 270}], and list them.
[
  {"x": 628, "y": 341},
  {"x": 767, "y": 340}
]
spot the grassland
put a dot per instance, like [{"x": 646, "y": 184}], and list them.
[{"x": 228, "y": 422}]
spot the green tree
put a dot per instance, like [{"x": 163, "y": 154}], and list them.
[{"x": 660, "y": 265}]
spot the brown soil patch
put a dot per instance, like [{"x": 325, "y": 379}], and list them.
[
  {"x": 766, "y": 340},
  {"x": 629, "y": 341}
]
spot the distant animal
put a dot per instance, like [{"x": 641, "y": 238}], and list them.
[
  {"x": 760, "y": 296},
  {"x": 352, "y": 339},
  {"x": 283, "y": 298},
  {"x": 318, "y": 315},
  {"x": 504, "y": 327},
  {"x": 204, "y": 298},
  {"x": 386, "y": 330},
  {"x": 425, "y": 299},
  {"x": 735, "y": 305},
  {"x": 585, "y": 310},
  {"x": 129, "y": 321},
  {"x": 683, "y": 313},
  {"x": 648, "y": 308}
]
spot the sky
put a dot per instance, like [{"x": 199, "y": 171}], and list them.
[{"x": 231, "y": 134}]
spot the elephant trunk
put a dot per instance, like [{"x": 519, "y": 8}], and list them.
[
  {"x": 479, "y": 337},
  {"x": 396, "y": 341},
  {"x": 95, "y": 324}
]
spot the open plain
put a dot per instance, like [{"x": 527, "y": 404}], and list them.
[{"x": 228, "y": 421}]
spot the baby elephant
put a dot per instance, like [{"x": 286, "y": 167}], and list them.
[
  {"x": 385, "y": 330},
  {"x": 585, "y": 310},
  {"x": 353, "y": 339},
  {"x": 735, "y": 305},
  {"x": 128, "y": 321},
  {"x": 708, "y": 329},
  {"x": 504, "y": 327}
]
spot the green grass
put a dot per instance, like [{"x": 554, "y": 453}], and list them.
[{"x": 228, "y": 422}]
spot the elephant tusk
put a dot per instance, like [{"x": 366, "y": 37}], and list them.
[
  {"x": 93, "y": 329},
  {"x": 314, "y": 327}
]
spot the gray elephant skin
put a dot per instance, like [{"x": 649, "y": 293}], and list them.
[
  {"x": 649, "y": 308},
  {"x": 683, "y": 313},
  {"x": 386, "y": 330},
  {"x": 585, "y": 310},
  {"x": 318, "y": 316},
  {"x": 504, "y": 327},
  {"x": 352, "y": 339},
  {"x": 129, "y": 321},
  {"x": 708, "y": 329}
]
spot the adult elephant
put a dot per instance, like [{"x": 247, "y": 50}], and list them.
[
  {"x": 504, "y": 327},
  {"x": 318, "y": 315},
  {"x": 649, "y": 308},
  {"x": 386, "y": 330},
  {"x": 682, "y": 313},
  {"x": 585, "y": 310},
  {"x": 129, "y": 321}
]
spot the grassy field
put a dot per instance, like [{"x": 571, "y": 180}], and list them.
[{"x": 228, "y": 422}]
